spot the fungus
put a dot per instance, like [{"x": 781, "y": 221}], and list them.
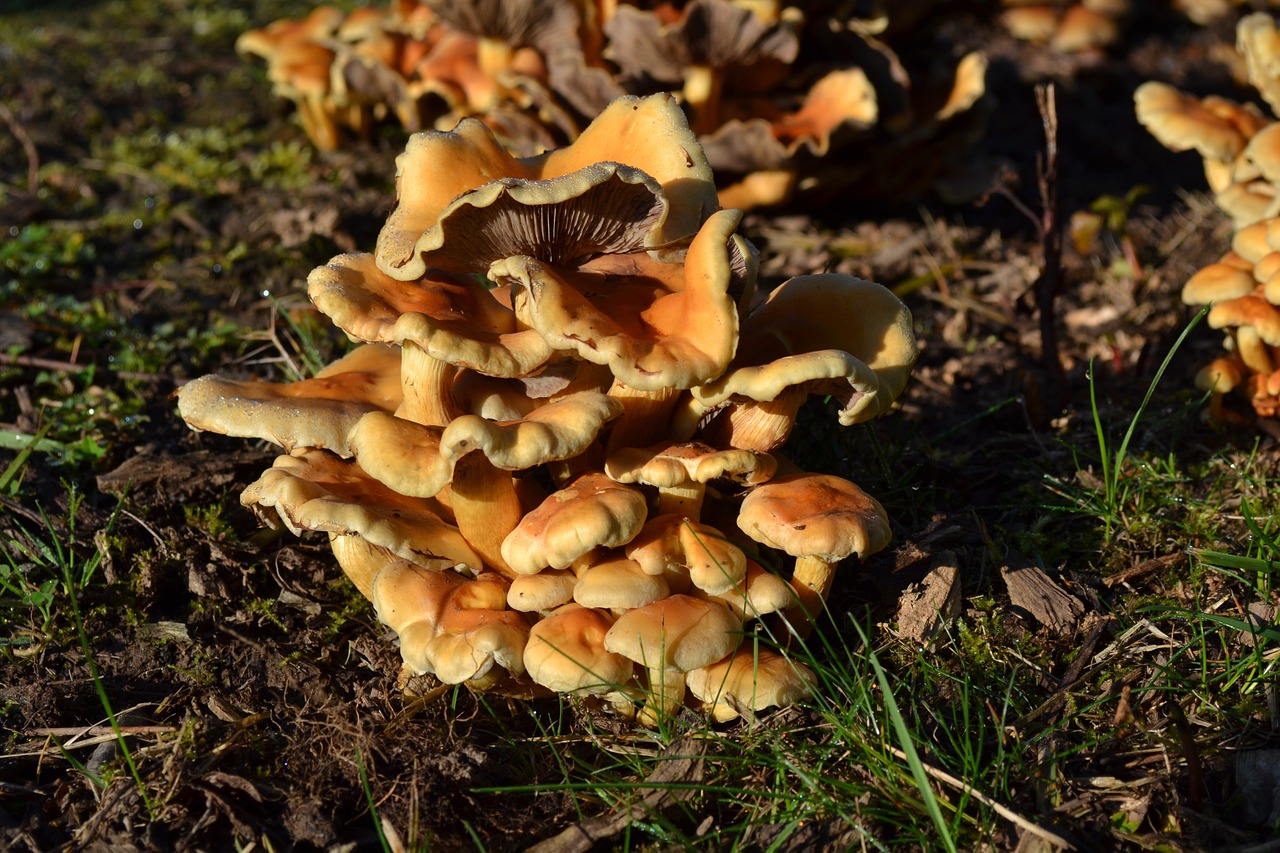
[
  {"x": 409, "y": 599},
  {"x": 672, "y": 543},
  {"x": 820, "y": 520},
  {"x": 314, "y": 413},
  {"x": 760, "y": 593},
  {"x": 681, "y": 471},
  {"x": 669, "y": 638},
  {"x": 751, "y": 679},
  {"x": 711, "y": 44},
  {"x": 318, "y": 491},
  {"x": 646, "y": 134},
  {"x": 617, "y": 584},
  {"x": 477, "y": 640},
  {"x": 592, "y": 512},
  {"x": 566, "y": 653}
]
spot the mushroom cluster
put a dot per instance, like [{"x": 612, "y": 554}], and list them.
[
  {"x": 782, "y": 97},
  {"x": 1066, "y": 26},
  {"x": 1241, "y": 150},
  {"x": 1240, "y": 145},
  {"x": 1243, "y": 290},
  {"x": 552, "y": 461}
]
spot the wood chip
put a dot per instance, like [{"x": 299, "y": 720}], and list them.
[
  {"x": 928, "y": 605},
  {"x": 1034, "y": 591}
]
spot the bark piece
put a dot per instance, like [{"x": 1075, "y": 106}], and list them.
[
  {"x": 1034, "y": 591},
  {"x": 926, "y": 606}
]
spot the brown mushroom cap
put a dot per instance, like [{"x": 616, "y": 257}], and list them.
[
  {"x": 616, "y": 584},
  {"x": 809, "y": 314},
  {"x": 566, "y": 653},
  {"x": 648, "y": 134},
  {"x": 590, "y": 513},
  {"x": 314, "y": 413},
  {"x": 674, "y": 544},
  {"x": 1258, "y": 41},
  {"x": 1215, "y": 127},
  {"x": 318, "y": 491},
  {"x": 419, "y": 460},
  {"x": 1216, "y": 282},
  {"x": 1252, "y": 311},
  {"x": 681, "y": 471},
  {"x": 544, "y": 591},
  {"x": 669, "y": 638},
  {"x": 752, "y": 679},
  {"x": 815, "y": 515},
  {"x": 760, "y": 593},
  {"x": 819, "y": 519}
]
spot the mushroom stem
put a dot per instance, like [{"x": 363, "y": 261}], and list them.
[
  {"x": 762, "y": 426},
  {"x": 702, "y": 85},
  {"x": 485, "y": 506},
  {"x": 360, "y": 561},
  {"x": 645, "y": 415},
  {"x": 665, "y": 696},
  {"x": 426, "y": 382},
  {"x": 812, "y": 581},
  {"x": 685, "y": 500},
  {"x": 493, "y": 55}
]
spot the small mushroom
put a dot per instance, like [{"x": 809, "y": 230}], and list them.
[
  {"x": 316, "y": 490},
  {"x": 673, "y": 544},
  {"x": 566, "y": 653},
  {"x": 751, "y": 679},
  {"x": 681, "y": 471},
  {"x": 591, "y": 512},
  {"x": 669, "y": 638},
  {"x": 409, "y": 599},
  {"x": 820, "y": 520},
  {"x": 617, "y": 584}
]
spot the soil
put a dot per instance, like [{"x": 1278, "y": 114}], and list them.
[{"x": 257, "y": 687}]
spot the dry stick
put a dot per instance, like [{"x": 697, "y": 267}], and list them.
[
  {"x": 1049, "y": 282},
  {"x": 28, "y": 147},
  {"x": 1004, "y": 811},
  {"x": 94, "y": 731}
]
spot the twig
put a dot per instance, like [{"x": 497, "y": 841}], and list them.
[
  {"x": 29, "y": 148},
  {"x": 1004, "y": 811},
  {"x": 72, "y": 367},
  {"x": 1146, "y": 567},
  {"x": 1050, "y": 280},
  {"x": 94, "y": 731}
]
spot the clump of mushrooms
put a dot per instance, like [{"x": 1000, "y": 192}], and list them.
[
  {"x": 1240, "y": 144},
  {"x": 1241, "y": 150},
  {"x": 552, "y": 461},
  {"x": 806, "y": 100}
]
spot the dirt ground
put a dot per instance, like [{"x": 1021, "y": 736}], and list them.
[{"x": 253, "y": 681}]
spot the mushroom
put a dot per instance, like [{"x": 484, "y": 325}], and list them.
[
  {"x": 672, "y": 543},
  {"x": 313, "y": 413},
  {"x": 656, "y": 325},
  {"x": 591, "y": 512},
  {"x": 681, "y": 471},
  {"x": 477, "y": 640},
  {"x": 751, "y": 679},
  {"x": 542, "y": 592},
  {"x": 711, "y": 44},
  {"x": 409, "y": 599},
  {"x": 474, "y": 458},
  {"x": 669, "y": 638},
  {"x": 760, "y": 593},
  {"x": 443, "y": 322},
  {"x": 318, "y": 491},
  {"x": 831, "y": 334},
  {"x": 566, "y": 653},
  {"x": 645, "y": 134},
  {"x": 618, "y": 584},
  {"x": 820, "y": 520}
]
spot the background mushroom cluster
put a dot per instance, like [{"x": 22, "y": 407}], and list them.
[
  {"x": 552, "y": 460},
  {"x": 1241, "y": 149},
  {"x": 788, "y": 100}
]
